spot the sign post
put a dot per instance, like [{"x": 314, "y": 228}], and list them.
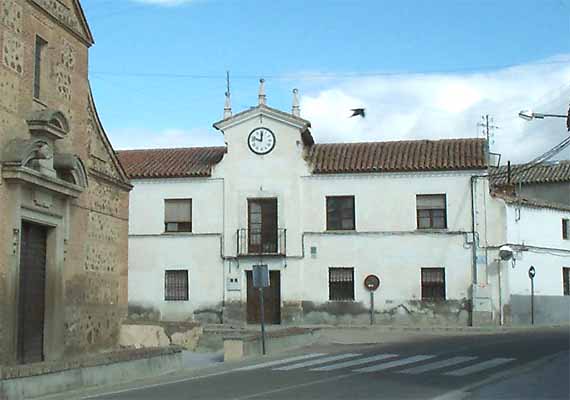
[
  {"x": 531, "y": 274},
  {"x": 260, "y": 281},
  {"x": 371, "y": 283}
]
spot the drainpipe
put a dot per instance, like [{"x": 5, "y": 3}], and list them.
[{"x": 474, "y": 247}]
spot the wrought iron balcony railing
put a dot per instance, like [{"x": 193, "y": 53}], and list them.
[{"x": 266, "y": 242}]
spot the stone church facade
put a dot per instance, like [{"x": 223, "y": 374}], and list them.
[{"x": 63, "y": 194}]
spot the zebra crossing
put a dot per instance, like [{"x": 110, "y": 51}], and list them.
[{"x": 456, "y": 366}]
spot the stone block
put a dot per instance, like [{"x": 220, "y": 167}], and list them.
[
  {"x": 13, "y": 52},
  {"x": 188, "y": 339},
  {"x": 143, "y": 336}
]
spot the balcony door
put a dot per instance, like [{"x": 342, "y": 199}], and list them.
[{"x": 262, "y": 229}]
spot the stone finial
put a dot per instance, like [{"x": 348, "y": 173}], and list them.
[
  {"x": 296, "y": 109},
  {"x": 262, "y": 97},
  {"x": 228, "y": 106}
]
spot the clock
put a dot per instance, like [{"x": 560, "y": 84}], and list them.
[{"x": 261, "y": 140}]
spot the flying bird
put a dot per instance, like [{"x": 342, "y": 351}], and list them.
[{"x": 358, "y": 111}]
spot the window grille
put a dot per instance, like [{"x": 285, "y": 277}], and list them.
[
  {"x": 433, "y": 284},
  {"x": 340, "y": 213},
  {"x": 178, "y": 215},
  {"x": 431, "y": 211},
  {"x": 341, "y": 283},
  {"x": 176, "y": 285},
  {"x": 566, "y": 280},
  {"x": 566, "y": 229}
]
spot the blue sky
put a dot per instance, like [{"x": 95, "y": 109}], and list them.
[{"x": 423, "y": 69}]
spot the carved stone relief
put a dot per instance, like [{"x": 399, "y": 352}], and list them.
[
  {"x": 11, "y": 15},
  {"x": 13, "y": 52},
  {"x": 64, "y": 70}
]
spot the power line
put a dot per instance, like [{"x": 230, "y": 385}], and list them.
[{"x": 324, "y": 75}]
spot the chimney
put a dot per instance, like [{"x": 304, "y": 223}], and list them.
[
  {"x": 296, "y": 109},
  {"x": 262, "y": 97}
]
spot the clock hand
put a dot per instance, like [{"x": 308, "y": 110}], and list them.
[{"x": 261, "y": 136}]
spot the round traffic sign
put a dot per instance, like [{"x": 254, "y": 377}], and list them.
[
  {"x": 371, "y": 282},
  {"x": 531, "y": 272}
]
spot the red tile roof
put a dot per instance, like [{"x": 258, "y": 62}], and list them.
[
  {"x": 521, "y": 201},
  {"x": 558, "y": 171},
  {"x": 171, "y": 163},
  {"x": 399, "y": 156}
]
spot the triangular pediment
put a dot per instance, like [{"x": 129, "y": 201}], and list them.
[
  {"x": 102, "y": 158},
  {"x": 265, "y": 112},
  {"x": 69, "y": 14}
]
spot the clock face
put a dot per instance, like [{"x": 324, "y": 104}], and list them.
[{"x": 261, "y": 140}]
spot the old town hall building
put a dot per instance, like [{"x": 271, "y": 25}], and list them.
[{"x": 418, "y": 214}]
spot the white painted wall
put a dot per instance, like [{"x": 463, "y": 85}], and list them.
[{"x": 540, "y": 231}]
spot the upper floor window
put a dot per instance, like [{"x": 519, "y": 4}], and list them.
[
  {"x": 431, "y": 211},
  {"x": 262, "y": 221},
  {"x": 340, "y": 213},
  {"x": 341, "y": 283},
  {"x": 39, "y": 54},
  {"x": 433, "y": 284},
  {"x": 178, "y": 215},
  {"x": 566, "y": 280},
  {"x": 566, "y": 229},
  {"x": 176, "y": 285}
]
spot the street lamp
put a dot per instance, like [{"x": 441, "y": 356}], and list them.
[{"x": 529, "y": 115}]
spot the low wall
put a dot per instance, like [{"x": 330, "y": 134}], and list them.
[
  {"x": 547, "y": 310},
  {"x": 41, "y": 379},
  {"x": 237, "y": 347}
]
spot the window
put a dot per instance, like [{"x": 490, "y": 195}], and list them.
[
  {"x": 340, "y": 213},
  {"x": 262, "y": 220},
  {"x": 341, "y": 283},
  {"x": 566, "y": 229},
  {"x": 38, "y": 56},
  {"x": 176, "y": 285},
  {"x": 178, "y": 215},
  {"x": 433, "y": 284},
  {"x": 566, "y": 281},
  {"x": 431, "y": 211}
]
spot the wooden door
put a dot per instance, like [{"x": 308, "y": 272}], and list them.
[
  {"x": 262, "y": 221},
  {"x": 271, "y": 300},
  {"x": 32, "y": 293}
]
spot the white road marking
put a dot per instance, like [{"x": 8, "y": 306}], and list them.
[
  {"x": 279, "y": 362},
  {"x": 436, "y": 365},
  {"x": 495, "y": 362},
  {"x": 355, "y": 362},
  {"x": 317, "y": 362},
  {"x": 394, "y": 364}
]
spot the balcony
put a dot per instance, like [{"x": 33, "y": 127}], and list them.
[{"x": 261, "y": 243}]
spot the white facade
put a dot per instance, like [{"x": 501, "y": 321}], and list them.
[{"x": 386, "y": 240}]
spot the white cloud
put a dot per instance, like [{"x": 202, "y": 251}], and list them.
[
  {"x": 447, "y": 105},
  {"x": 141, "y": 138}
]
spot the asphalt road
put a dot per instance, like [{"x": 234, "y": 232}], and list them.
[{"x": 423, "y": 368}]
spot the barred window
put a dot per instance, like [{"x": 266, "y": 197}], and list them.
[
  {"x": 433, "y": 284},
  {"x": 178, "y": 215},
  {"x": 340, "y": 213},
  {"x": 565, "y": 229},
  {"x": 566, "y": 280},
  {"x": 431, "y": 211},
  {"x": 341, "y": 283},
  {"x": 176, "y": 285}
]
